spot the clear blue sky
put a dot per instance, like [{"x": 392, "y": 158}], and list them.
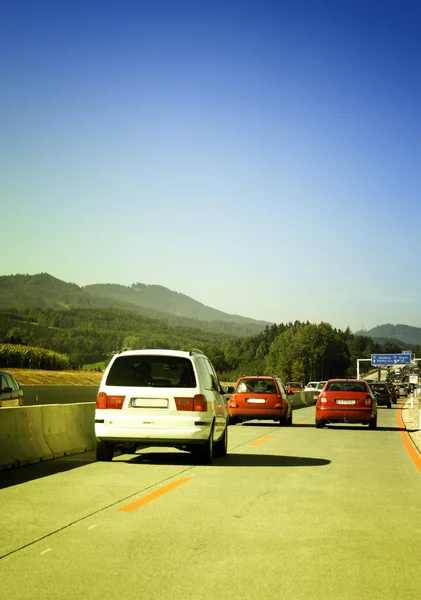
[{"x": 260, "y": 157}]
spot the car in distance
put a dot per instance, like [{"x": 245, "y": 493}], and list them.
[
  {"x": 261, "y": 398},
  {"x": 11, "y": 394},
  {"x": 346, "y": 401},
  {"x": 228, "y": 390},
  {"x": 294, "y": 386},
  {"x": 383, "y": 393},
  {"x": 318, "y": 389},
  {"x": 311, "y": 386},
  {"x": 165, "y": 398}
]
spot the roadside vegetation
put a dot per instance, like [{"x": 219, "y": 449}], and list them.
[{"x": 85, "y": 339}]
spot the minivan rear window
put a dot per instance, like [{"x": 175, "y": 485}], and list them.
[{"x": 152, "y": 371}]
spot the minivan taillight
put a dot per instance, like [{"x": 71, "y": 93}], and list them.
[
  {"x": 105, "y": 401},
  {"x": 197, "y": 403}
]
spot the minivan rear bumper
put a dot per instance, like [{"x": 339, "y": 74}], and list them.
[{"x": 155, "y": 434}]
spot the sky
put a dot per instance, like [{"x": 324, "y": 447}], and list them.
[{"x": 261, "y": 157}]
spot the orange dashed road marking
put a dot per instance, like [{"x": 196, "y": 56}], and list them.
[
  {"x": 265, "y": 439},
  {"x": 413, "y": 453},
  {"x": 154, "y": 495},
  {"x": 301, "y": 422}
]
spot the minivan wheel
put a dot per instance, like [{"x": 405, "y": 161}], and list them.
[
  {"x": 104, "y": 451},
  {"x": 204, "y": 453},
  {"x": 389, "y": 405},
  {"x": 220, "y": 447}
]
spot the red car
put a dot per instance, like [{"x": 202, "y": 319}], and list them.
[
  {"x": 294, "y": 386},
  {"x": 263, "y": 398},
  {"x": 346, "y": 401}
]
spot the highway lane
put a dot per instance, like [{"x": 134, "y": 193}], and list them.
[
  {"x": 58, "y": 394},
  {"x": 289, "y": 513}
]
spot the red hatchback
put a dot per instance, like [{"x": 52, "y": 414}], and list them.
[
  {"x": 263, "y": 398},
  {"x": 346, "y": 401}
]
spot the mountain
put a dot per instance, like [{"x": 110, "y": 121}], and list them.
[
  {"x": 153, "y": 301},
  {"x": 402, "y": 333}
]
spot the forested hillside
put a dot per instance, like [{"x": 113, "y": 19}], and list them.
[
  {"x": 91, "y": 335},
  {"x": 403, "y": 333},
  {"x": 293, "y": 351},
  {"x": 44, "y": 291}
]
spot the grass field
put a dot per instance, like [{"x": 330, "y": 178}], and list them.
[{"x": 35, "y": 377}]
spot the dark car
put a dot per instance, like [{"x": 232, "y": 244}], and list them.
[
  {"x": 228, "y": 391},
  {"x": 11, "y": 394},
  {"x": 346, "y": 401},
  {"x": 262, "y": 398},
  {"x": 383, "y": 393}
]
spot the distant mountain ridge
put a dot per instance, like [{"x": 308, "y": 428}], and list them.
[
  {"x": 402, "y": 333},
  {"x": 153, "y": 301}
]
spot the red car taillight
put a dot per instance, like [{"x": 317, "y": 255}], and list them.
[
  {"x": 368, "y": 400},
  {"x": 278, "y": 403},
  {"x": 196, "y": 403},
  {"x": 322, "y": 399},
  {"x": 105, "y": 401},
  {"x": 232, "y": 403}
]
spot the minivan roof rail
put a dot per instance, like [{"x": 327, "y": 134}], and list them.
[{"x": 195, "y": 351}]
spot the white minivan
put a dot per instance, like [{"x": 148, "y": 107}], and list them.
[{"x": 166, "y": 398}]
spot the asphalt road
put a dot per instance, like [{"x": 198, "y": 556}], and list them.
[
  {"x": 58, "y": 394},
  {"x": 294, "y": 513}
]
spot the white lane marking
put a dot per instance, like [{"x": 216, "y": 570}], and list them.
[
  {"x": 92, "y": 526},
  {"x": 45, "y": 551}
]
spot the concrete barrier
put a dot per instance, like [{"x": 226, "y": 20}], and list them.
[
  {"x": 31, "y": 434},
  {"x": 75, "y": 428},
  {"x": 30, "y": 445},
  {"x": 8, "y": 422},
  {"x": 54, "y": 428},
  {"x": 302, "y": 399}
]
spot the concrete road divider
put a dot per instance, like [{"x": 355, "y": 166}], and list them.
[
  {"x": 30, "y": 445},
  {"x": 55, "y": 429},
  {"x": 8, "y": 426},
  {"x": 75, "y": 424},
  {"x": 301, "y": 399},
  {"x": 33, "y": 433}
]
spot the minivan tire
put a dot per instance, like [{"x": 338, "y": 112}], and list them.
[
  {"x": 104, "y": 451},
  {"x": 220, "y": 447},
  {"x": 204, "y": 452}
]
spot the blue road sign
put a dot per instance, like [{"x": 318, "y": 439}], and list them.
[{"x": 390, "y": 359}]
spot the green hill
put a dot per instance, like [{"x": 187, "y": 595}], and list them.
[
  {"x": 402, "y": 333},
  {"x": 152, "y": 301}
]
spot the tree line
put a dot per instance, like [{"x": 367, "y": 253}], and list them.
[{"x": 300, "y": 351}]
